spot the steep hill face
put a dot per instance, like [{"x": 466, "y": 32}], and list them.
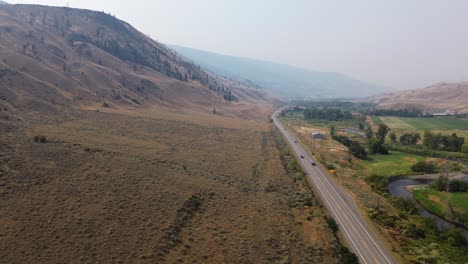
[
  {"x": 435, "y": 98},
  {"x": 53, "y": 56},
  {"x": 283, "y": 79}
]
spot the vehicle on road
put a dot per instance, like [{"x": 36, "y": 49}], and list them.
[
  {"x": 295, "y": 141},
  {"x": 302, "y": 157},
  {"x": 313, "y": 164}
]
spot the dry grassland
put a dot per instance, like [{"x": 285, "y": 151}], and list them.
[{"x": 120, "y": 188}]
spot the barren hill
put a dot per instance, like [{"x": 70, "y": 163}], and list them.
[
  {"x": 438, "y": 97},
  {"x": 52, "y": 56}
]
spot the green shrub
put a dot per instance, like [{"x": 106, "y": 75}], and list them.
[
  {"x": 376, "y": 147},
  {"x": 332, "y": 224},
  {"x": 378, "y": 182},
  {"x": 464, "y": 149},
  {"x": 41, "y": 139},
  {"x": 358, "y": 150},
  {"x": 426, "y": 167},
  {"x": 404, "y": 204},
  {"x": 348, "y": 257},
  {"x": 458, "y": 186}
]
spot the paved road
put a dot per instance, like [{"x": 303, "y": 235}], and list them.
[{"x": 344, "y": 210}]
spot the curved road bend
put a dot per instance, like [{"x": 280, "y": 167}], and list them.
[{"x": 366, "y": 245}]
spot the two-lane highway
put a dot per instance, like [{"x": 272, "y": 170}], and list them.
[{"x": 341, "y": 205}]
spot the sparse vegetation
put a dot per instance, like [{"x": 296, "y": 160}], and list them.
[{"x": 40, "y": 139}]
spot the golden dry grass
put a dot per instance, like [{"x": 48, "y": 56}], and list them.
[{"x": 126, "y": 188}]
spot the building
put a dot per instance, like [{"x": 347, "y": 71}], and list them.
[{"x": 318, "y": 136}]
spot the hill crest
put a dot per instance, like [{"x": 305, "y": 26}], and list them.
[{"x": 440, "y": 97}]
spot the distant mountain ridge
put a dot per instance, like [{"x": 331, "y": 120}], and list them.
[
  {"x": 280, "y": 78},
  {"x": 440, "y": 97}
]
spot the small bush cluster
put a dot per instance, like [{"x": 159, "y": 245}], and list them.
[
  {"x": 40, "y": 139},
  {"x": 355, "y": 147},
  {"x": 426, "y": 167}
]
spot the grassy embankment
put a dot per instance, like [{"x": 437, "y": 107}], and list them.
[{"x": 448, "y": 205}]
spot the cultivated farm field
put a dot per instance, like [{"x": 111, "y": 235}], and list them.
[{"x": 437, "y": 124}]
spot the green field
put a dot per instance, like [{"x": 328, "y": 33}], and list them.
[
  {"x": 434, "y": 123},
  {"x": 438, "y": 203},
  {"x": 292, "y": 117},
  {"x": 394, "y": 164},
  {"x": 376, "y": 120}
]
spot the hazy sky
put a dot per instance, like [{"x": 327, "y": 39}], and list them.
[{"x": 399, "y": 43}]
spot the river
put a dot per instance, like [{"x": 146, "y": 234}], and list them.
[{"x": 400, "y": 188}]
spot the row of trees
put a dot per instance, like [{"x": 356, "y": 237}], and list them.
[
  {"x": 331, "y": 114},
  {"x": 444, "y": 184},
  {"x": 452, "y": 143},
  {"x": 355, "y": 148},
  {"x": 392, "y": 112}
]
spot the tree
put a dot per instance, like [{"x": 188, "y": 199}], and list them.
[
  {"x": 438, "y": 141},
  {"x": 332, "y": 130},
  {"x": 382, "y": 132},
  {"x": 376, "y": 146},
  {"x": 369, "y": 132},
  {"x": 358, "y": 150},
  {"x": 465, "y": 148},
  {"x": 410, "y": 138},
  {"x": 393, "y": 137},
  {"x": 361, "y": 126},
  {"x": 441, "y": 183}
]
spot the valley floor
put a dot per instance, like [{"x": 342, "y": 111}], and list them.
[{"x": 109, "y": 187}]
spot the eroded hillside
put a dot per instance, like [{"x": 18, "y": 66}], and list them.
[{"x": 91, "y": 60}]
